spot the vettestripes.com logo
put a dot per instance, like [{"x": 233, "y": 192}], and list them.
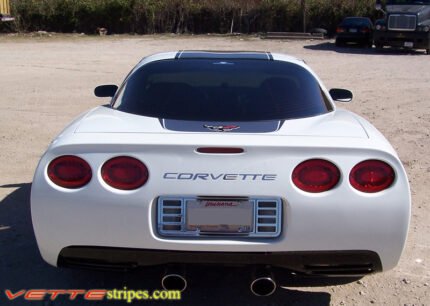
[{"x": 124, "y": 294}]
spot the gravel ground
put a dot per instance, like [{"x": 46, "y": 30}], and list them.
[{"x": 47, "y": 81}]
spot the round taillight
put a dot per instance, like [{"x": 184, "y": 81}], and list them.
[
  {"x": 126, "y": 173},
  {"x": 69, "y": 171},
  {"x": 371, "y": 176},
  {"x": 316, "y": 175}
]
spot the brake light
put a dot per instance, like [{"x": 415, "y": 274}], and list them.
[
  {"x": 69, "y": 171},
  {"x": 216, "y": 150},
  {"x": 371, "y": 176},
  {"x": 340, "y": 30},
  {"x": 126, "y": 173},
  {"x": 365, "y": 30},
  {"x": 316, "y": 175}
]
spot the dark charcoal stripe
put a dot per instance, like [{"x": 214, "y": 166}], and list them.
[
  {"x": 178, "y": 55},
  {"x": 223, "y": 55},
  {"x": 266, "y": 126}
]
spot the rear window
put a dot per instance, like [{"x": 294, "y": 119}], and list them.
[
  {"x": 356, "y": 22},
  {"x": 222, "y": 90}
]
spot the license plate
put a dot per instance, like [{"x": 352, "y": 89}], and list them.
[
  {"x": 408, "y": 44},
  {"x": 220, "y": 216},
  {"x": 353, "y": 30}
]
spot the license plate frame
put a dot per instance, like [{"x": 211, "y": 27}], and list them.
[
  {"x": 220, "y": 216},
  {"x": 408, "y": 44},
  {"x": 353, "y": 30}
]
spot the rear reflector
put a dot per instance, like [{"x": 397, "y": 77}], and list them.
[
  {"x": 215, "y": 150},
  {"x": 69, "y": 171},
  {"x": 371, "y": 176},
  {"x": 125, "y": 173},
  {"x": 316, "y": 175}
]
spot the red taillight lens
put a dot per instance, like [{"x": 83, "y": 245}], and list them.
[
  {"x": 365, "y": 30},
  {"x": 340, "y": 30},
  {"x": 126, "y": 173},
  {"x": 316, "y": 175},
  {"x": 371, "y": 176},
  {"x": 69, "y": 172}
]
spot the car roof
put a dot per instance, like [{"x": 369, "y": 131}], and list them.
[{"x": 232, "y": 55}]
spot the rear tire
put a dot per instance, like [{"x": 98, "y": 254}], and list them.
[
  {"x": 428, "y": 51},
  {"x": 379, "y": 46}
]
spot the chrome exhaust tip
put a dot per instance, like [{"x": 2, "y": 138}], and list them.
[
  {"x": 263, "y": 286},
  {"x": 174, "y": 282}
]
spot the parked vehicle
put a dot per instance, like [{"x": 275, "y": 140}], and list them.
[
  {"x": 5, "y": 11},
  {"x": 358, "y": 30},
  {"x": 222, "y": 158},
  {"x": 406, "y": 25}
]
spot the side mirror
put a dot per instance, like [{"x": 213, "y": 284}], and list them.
[
  {"x": 341, "y": 95},
  {"x": 105, "y": 90}
]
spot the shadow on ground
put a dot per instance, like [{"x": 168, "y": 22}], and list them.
[
  {"x": 357, "y": 49},
  {"x": 21, "y": 267}
]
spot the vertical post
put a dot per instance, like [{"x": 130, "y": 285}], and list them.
[{"x": 303, "y": 5}]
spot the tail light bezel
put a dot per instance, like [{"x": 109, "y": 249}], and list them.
[
  {"x": 317, "y": 190},
  {"x": 118, "y": 187},
  {"x": 356, "y": 186},
  {"x": 61, "y": 182}
]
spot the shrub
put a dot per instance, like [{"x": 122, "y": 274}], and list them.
[{"x": 193, "y": 16}]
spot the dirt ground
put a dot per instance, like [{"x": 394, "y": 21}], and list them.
[{"x": 46, "y": 81}]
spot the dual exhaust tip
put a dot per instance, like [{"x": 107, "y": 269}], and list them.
[
  {"x": 262, "y": 286},
  {"x": 174, "y": 282}
]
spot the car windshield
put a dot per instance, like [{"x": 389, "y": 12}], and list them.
[
  {"x": 410, "y": 2},
  {"x": 355, "y": 21},
  {"x": 222, "y": 90}
]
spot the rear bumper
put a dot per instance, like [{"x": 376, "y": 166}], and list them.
[
  {"x": 341, "y": 219},
  {"x": 312, "y": 263},
  {"x": 420, "y": 40},
  {"x": 354, "y": 37}
]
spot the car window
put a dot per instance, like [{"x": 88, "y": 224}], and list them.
[
  {"x": 356, "y": 22},
  {"x": 222, "y": 90}
]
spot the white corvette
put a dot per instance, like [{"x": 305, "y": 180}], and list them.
[{"x": 225, "y": 158}]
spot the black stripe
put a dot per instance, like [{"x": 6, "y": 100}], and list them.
[
  {"x": 224, "y": 55},
  {"x": 178, "y": 55}
]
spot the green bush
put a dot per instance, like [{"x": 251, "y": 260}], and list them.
[{"x": 187, "y": 16}]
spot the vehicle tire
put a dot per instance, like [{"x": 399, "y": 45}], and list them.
[
  {"x": 428, "y": 51},
  {"x": 379, "y": 46},
  {"x": 319, "y": 30},
  {"x": 338, "y": 43}
]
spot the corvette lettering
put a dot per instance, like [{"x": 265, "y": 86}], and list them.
[{"x": 219, "y": 176}]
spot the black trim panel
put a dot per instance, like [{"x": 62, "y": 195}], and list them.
[{"x": 312, "y": 263}]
